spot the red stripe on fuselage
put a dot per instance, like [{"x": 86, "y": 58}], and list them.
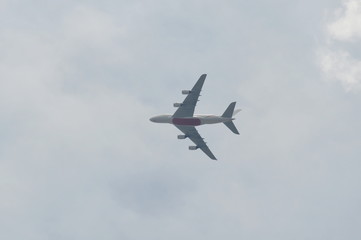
[{"x": 186, "y": 121}]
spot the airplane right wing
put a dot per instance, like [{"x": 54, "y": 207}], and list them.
[{"x": 193, "y": 135}]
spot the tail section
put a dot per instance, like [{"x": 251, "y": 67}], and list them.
[
  {"x": 229, "y": 113},
  {"x": 236, "y": 111},
  {"x": 231, "y": 127}
]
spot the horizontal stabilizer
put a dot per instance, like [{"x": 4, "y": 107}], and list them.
[{"x": 231, "y": 127}]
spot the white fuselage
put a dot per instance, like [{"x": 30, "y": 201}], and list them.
[{"x": 196, "y": 120}]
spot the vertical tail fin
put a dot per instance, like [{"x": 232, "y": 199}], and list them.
[
  {"x": 236, "y": 111},
  {"x": 229, "y": 111},
  {"x": 229, "y": 114}
]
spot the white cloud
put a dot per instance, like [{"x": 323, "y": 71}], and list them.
[
  {"x": 335, "y": 61},
  {"x": 56, "y": 140},
  {"x": 341, "y": 66},
  {"x": 348, "y": 26},
  {"x": 87, "y": 25}
]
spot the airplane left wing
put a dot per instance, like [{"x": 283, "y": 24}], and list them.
[
  {"x": 187, "y": 107},
  {"x": 193, "y": 135}
]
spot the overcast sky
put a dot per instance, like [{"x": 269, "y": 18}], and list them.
[{"x": 79, "y": 158}]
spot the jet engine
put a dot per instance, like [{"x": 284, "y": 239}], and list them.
[
  {"x": 193, "y": 147},
  {"x": 186, "y": 92},
  {"x": 177, "y": 104},
  {"x": 182, "y": 136}
]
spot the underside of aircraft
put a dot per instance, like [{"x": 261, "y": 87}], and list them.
[{"x": 185, "y": 120}]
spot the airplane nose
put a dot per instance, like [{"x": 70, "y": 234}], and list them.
[{"x": 152, "y": 119}]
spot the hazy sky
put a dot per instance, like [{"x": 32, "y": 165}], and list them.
[{"x": 79, "y": 158}]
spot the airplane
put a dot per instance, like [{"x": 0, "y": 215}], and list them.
[{"x": 185, "y": 120}]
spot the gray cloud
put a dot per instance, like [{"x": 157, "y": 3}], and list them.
[{"x": 79, "y": 158}]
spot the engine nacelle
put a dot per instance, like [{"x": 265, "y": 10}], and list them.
[
  {"x": 177, "y": 104},
  {"x": 182, "y": 136},
  {"x": 193, "y": 147},
  {"x": 186, "y": 92}
]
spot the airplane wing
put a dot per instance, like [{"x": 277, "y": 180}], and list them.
[
  {"x": 193, "y": 135},
  {"x": 190, "y": 102}
]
